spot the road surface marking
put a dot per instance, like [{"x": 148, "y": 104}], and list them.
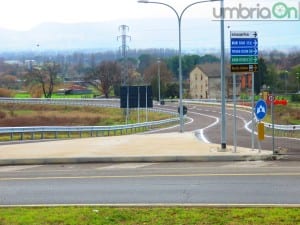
[
  {"x": 245, "y": 164},
  {"x": 143, "y": 176},
  {"x": 125, "y": 166},
  {"x": 6, "y": 169}
]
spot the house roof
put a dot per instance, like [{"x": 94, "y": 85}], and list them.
[{"x": 212, "y": 70}]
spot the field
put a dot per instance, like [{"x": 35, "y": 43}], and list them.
[
  {"x": 287, "y": 114},
  {"x": 145, "y": 216},
  {"x": 19, "y": 115},
  {"x": 58, "y": 115}
]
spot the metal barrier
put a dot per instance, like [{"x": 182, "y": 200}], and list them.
[
  {"x": 283, "y": 127},
  {"x": 267, "y": 125},
  {"x": 79, "y": 129}
]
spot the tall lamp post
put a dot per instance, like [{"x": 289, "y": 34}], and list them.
[
  {"x": 285, "y": 80},
  {"x": 298, "y": 81},
  {"x": 179, "y": 18},
  {"x": 158, "y": 78},
  {"x": 223, "y": 80}
]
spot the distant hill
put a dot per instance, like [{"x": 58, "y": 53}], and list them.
[{"x": 197, "y": 35}]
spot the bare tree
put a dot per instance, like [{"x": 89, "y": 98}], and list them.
[
  {"x": 8, "y": 81},
  {"x": 45, "y": 76},
  {"x": 151, "y": 77},
  {"x": 104, "y": 76},
  {"x": 152, "y": 71}
]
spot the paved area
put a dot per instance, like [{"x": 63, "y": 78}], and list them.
[{"x": 133, "y": 148}]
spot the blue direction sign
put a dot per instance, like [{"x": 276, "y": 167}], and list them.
[
  {"x": 260, "y": 109},
  {"x": 244, "y": 51},
  {"x": 244, "y": 43}
]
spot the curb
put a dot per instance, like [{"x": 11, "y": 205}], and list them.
[{"x": 126, "y": 159}]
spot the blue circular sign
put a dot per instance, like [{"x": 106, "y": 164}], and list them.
[{"x": 260, "y": 109}]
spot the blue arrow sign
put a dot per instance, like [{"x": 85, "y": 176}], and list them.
[
  {"x": 244, "y": 42},
  {"x": 244, "y": 51},
  {"x": 260, "y": 109}
]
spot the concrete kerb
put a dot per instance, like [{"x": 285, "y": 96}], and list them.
[
  {"x": 135, "y": 159},
  {"x": 170, "y": 147}
]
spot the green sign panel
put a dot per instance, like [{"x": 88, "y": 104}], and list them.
[{"x": 244, "y": 60}]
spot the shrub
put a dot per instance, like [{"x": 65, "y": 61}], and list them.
[
  {"x": 295, "y": 98},
  {"x": 6, "y": 92},
  {"x": 2, "y": 115}
]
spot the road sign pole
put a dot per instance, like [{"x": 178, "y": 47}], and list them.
[
  {"x": 234, "y": 112},
  {"x": 273, "y": 130},
  {"x": 252, "y": 123},
  {"x": 244, "y": 58},
  {"x": 139, "y": 104},
  {"x": 146, "y": 103}
]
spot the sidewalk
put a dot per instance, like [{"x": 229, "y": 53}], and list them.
[{"x": 168, "y": 147}]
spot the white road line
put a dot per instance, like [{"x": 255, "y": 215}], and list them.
[
  {"x": 191, "y": 120},
  {"x": 200, "y": 132},
  {"x": 5, "y": 169},
  {"x": 147, "y": 176},
  {"x": 125, "y": 166}
]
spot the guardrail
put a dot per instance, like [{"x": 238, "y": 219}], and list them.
[
  {"x": 63, "y": 101},
  {"x": 93, "y": 130},
  {"x": 283, "y": 127},
  {"x": 109, "y": 103},
  {"x": 267, "y": 125}
]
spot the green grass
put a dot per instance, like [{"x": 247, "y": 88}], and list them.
[
  {"x": 17, "y": 115},
  {"x": 22, "y": 95},
  {"x": 156, "y": 215}
]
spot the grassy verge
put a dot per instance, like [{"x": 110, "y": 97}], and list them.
[
  {"x": 156, "y": 215},
  {"x": 18, "y": 115},
  {"x": 61, "y": 115}
]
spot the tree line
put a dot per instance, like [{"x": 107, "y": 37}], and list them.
[{"x": 278, "y": 71}]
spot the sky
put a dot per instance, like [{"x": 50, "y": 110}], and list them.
[{"x": 24, "y": 15}]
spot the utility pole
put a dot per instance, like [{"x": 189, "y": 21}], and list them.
[
  {"x": 124, "y": 72},
  {"x": 158, "y": 79}
]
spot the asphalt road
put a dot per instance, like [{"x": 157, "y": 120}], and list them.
[
  {"x": 221, "y": 183},
  {"x": 207, "y": 119}
]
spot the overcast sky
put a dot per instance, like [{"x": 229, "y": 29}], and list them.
[{"x": 25, "y": 14}]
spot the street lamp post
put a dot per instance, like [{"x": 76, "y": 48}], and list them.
[
  {"x": 285, "y": 80},
  {"x": 179, "y": 18},
  {"x": 158, "y": 78},
  {"x": 223, "y": 80},
  {"x": 298, "y": 81}
]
